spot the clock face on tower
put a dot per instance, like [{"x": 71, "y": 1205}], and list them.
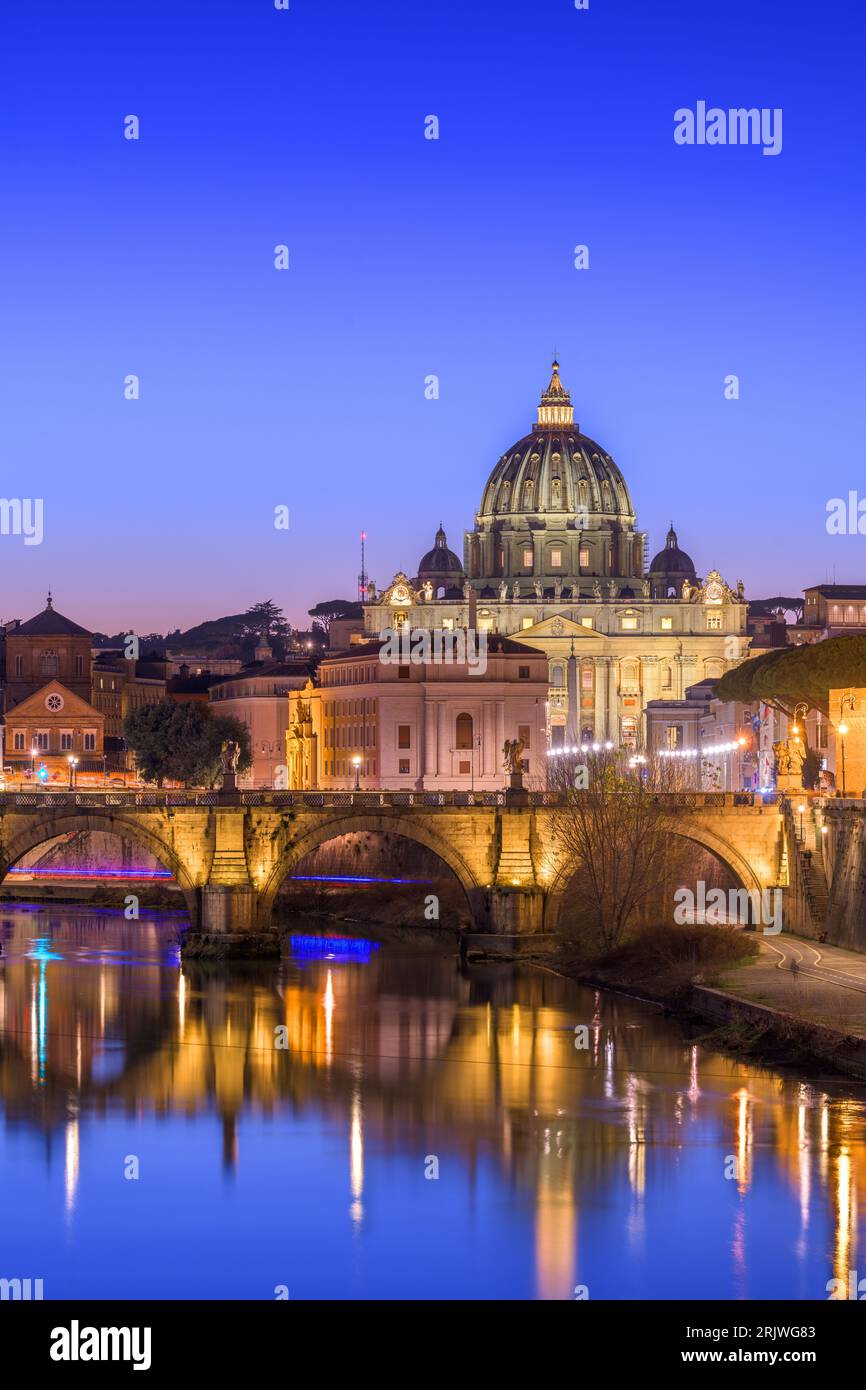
[
  {"x": 54, "y": 702},
  {"x": 714, "y": 592}
]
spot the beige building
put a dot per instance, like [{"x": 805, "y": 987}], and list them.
[
  {"x": 257, "y": 695},
  {"x": 419, "y": 726},
  {"x": 555, "y": 558},
  {"x": 120, "y": 685},
  {"x": 54, "y": 738}
]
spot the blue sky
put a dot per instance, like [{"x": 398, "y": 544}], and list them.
[{"x": 410, "y": 257}]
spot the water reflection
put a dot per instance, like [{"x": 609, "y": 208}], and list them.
[{"x": 640, "y": 1166}]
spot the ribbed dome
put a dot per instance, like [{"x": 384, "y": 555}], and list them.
[
  {"x": 557, "y": 469},
  {"x": 672, "y": 560},
  {"x": 440, "y": 562}
]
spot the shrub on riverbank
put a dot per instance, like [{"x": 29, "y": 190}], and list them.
[{"x": 663, "y": 961}]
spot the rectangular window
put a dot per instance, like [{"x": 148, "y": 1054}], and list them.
[
  {"x": 18, "y": 742},
  {"x": 714, "y": 622},
  {"x": 448, "y": 624},
  {"x": 19, "y": 665},
  {"x": 464, "y": 769},
  {"x": 628, "y": 624},
  {"x": 527, "y": 622},
  {"x": 527, "y": 558},
  {"x": 404, "y": 766},
  {"x": 583, "y": 559},
  {"x": 403, "y": 673},
  {"x": 523, "y": 673},
  {"x": 674, "y": 733},
  {"x": 556, "y": 559},
  {"x": 586, "y": 622},
  {"x": 523, "y": 732},
  {"x": 667, "y": 624},
  {"x": 404, "y": 736},
  {"x": 89, "y": 741},
  {"x": 65, "y": 740},
  {"x": 586, "y": 677}
]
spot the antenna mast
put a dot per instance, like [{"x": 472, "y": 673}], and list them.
[{"x": 362, "y": 577}]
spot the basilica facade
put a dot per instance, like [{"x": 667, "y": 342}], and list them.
[{"x": 556, "y": 560}]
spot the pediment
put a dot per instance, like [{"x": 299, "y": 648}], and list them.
[
  {"x": 559, "y": 626},
  {"x": 34, "y": 706}
]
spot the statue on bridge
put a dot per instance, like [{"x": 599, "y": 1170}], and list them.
[
  {"x": 230, "y": 753},
  {"x": 513, "y": 750}
]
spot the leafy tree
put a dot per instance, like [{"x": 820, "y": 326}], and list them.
[
  {"x": 324, "y": 613},
  {"x": 791, "y": 676},
  {"x": 182, "y": 742},
  {"x": 266, "y": 618}
]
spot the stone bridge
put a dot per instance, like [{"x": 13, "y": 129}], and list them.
[{"x": 230, "y": 851}]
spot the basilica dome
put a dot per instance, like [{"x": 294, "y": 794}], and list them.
[{"x": 557, "y": 469}]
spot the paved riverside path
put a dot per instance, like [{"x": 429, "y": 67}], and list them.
[{"x": 828, "y": 986}]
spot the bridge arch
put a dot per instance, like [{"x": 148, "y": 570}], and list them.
[
  {"x": 46, "y": 825},
  {"x": 408, "y": 827},
  {"x": 717, "y": 845}
]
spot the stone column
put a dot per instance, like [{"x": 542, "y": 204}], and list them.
[
  {"x": 601, "y": 664},
  {"x": 431, "y": 722},
  {"x": 499, "y": 738},
  {"x": 443, "y": 758},
  {"x": 488, "y": 739},
  {"x": 537, "y": 555},
  {"x": 612, "y": 703}
]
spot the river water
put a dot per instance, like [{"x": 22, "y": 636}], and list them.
[{"x": 427, "y": 1131}]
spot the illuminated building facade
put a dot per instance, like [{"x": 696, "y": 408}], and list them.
[
  {"x": 556, "y": 558},
  {"x": 418, "y": 726}
]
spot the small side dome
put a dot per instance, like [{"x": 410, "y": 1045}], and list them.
[
  {"x": 670, "y": 567},
  {"x": 440, "y": 566}
]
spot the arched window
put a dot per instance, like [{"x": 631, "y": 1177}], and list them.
[
  {"x": 556, "y": 675},
  {"x": 463, "y": 731},
  {"x": 48, "y": 663},
  {"x": 629, "y": 675}
]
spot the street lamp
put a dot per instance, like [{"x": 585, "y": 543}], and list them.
[
  {"x": 33, "y": 751},
  {"x": 356, "y": 763},
  {"x": 801, "y": 809},
  {"x": 73, "y": 763},
  {"x": 845, "y": 702},
  {"x": 842, "y": 730}
]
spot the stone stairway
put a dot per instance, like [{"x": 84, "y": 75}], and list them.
[
  {"x": 230, "y": 869},
  {"x": 515, "y": 867},
  {"x": 815, "y": 888}
]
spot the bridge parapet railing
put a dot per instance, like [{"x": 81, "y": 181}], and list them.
[{"x": 44, "y": 799}]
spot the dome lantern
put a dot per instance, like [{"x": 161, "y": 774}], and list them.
[{"x": 555, "y": 411}]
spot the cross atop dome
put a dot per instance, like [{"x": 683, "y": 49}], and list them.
[{"x": 555, "y": 411}]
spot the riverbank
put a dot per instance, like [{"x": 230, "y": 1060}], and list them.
[
  {"x": 93, "y": 893},
  {"x": 758, "y": 1008}
]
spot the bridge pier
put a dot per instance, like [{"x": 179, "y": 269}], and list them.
[
  {"x": 230, "y": 927},
  {"x": 516, "y": 911}
]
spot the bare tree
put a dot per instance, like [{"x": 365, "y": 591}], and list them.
[{"x": 616, "y": 821}]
